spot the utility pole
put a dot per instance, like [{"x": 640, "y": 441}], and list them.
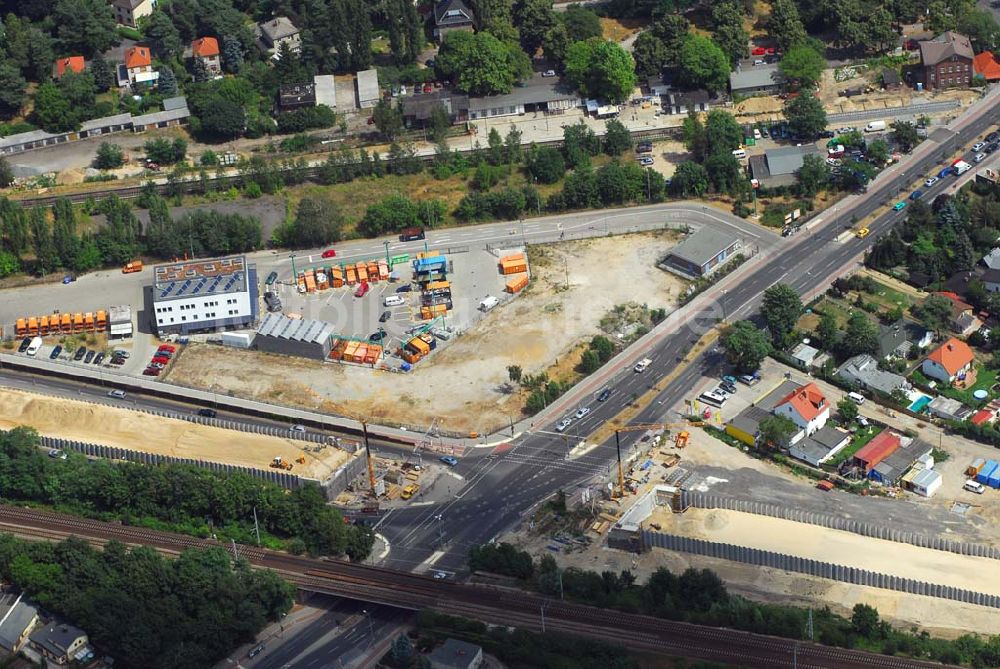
[
  {"x": 256, "y": 526},
  {"x": 621, "y": 473},
  {"x": 294, "y": 275},
  {"x": 386, "y": 244},
  {"x": 368, "y": 454}
]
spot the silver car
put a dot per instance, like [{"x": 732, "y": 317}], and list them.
[
  {"x": 581, "y": 412},
  {"x": 563, "y": 424}
]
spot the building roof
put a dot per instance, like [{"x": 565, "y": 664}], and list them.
[
  {"x": 982, "y": 417},
  {"x": 16, "y": 613},
  {"x": 455, "y": 654},
  {"x": 992, "y": 259},
  {"x": 749, "y": 419},
  {"x": 452, "y": 12},
  {"x": 948, "y": 406},
  {"x": 325, "y": 87},
  {"x": 818, "y": 446},
  {"x": 925, "y": 478},
  {"x": 991, "y": 276},
  {"x": 808, "y": 401},
  {"x": 138, "y": 56},
  {"x": 805, "y": 353},
  {"x": 897, "y": 462},
  {"x": 127, "y": 4},
  {"x": 944, "y": 47},
  {"x": 178, "y": 102},
  {"x": 878, "y": 449},
  {"x": 952, "y": 355},
  {"x": 368, "y": 85},
  {"x": 771, "y": 399},
  {"x": 161, "y": 116},
  {"x": 758, "y": 76},
  {"x": 73, "y": 63},
  {"x": 278, "y": 28},
  {"x": 864, "y": 369},
  {"x": 205, "y": 47},
  {"x": 296, "y": 94},
  {"x": 295, "y": 329},
  {"x": 890, "y": 77},
  {"x": 119, "y": 313},
  {"x": 704, "y": 244},
  {"x": 898, "y": 337},
  {"x": 199, "y": 278},
  {"x": 57, "y": 637},
  {"x": 536, "y": 90},
  {"x": 986, "y": 65},
  {"x": 786, "y": 159},
  {"x": 106, "y": 121},
  {"x": 420, "y": 107}
]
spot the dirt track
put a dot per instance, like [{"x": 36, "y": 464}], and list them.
[{"x": 124, "y": 428}]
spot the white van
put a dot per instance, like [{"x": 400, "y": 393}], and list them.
[
  {"x": 739, "y": 154},
  {"x": 974, "y": 486},
  {"x": 394, "y": 301},
  {"x": 488, "y": 303},
  {"x": 857, "y": 398},
  {"x": 713, "y": 398},
  {"x": 875, "y": 126},
  {"x": 33, "y": 347}
]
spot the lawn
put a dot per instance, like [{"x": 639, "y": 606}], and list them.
[
  {"x": 890, "y": 298},
  {"x": 839, "y": 310},
  {"x": 986, "y": 378},
  {"x": 860, "y": 438}
]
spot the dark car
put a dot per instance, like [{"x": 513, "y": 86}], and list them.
[
  {"x": 405, "y": 288},
  {"x": 99, "y": 358},
  {"x": 55, "y": 353},
  {"x": 386, "y": 315},
  {"x": 117, "y": 360},
  {"x": 151, "y": 371},
  {"x": 25, "y": 343},
  {"x": 90, "y": 356},
  {"x": 992, "y": 146},
  {"x": 255, "y": 651},
  {"x": 80, "y": 352},
  {"x": 605, "y": 394},
  {"x": 207, "y": 413},
  {"x": 728, "y": 387},
  {"x": 827, "y": 134},
  {"x": 271, "y": 278},
  {"x": 992, "y": 137},
  {"x": 376, "y": 337}
]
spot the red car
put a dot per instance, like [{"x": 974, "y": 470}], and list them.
[
  {"x": 151, "y": 371},
  {"x": 770, "y": 51},
  {"x": 167, "y": 347},
  {"x": 428, "y": 88},
  {"x": 758, "y": 51},
  {"x": 160, "y": 359},
  {"x": 329, "y": 253},
  {"x": 362, "y": 289}
]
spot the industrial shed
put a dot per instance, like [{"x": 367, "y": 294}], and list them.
[{"x": 305, "y": 338}]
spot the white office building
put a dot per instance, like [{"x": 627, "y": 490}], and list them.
[{"x": 204, "y": 296}]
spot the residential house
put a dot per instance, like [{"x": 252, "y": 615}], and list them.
[
  {"x": 883, "y": 445},
  {"x": 58, "y": 642},
  {"x": 277, "y": 31},
  {"x": 206, "y": 49},
  {"x": 893, "y": 466},
  {"x": 745, "y": 426},
  {"x": 780, "y": 166},
  {"x": 807, "y": 407},
  {"x": 946, "y": 61},
  {"x": 985, "y": 65},
  {"x": 947, "y": 408},
  {"x": 454, "y": 654},
  {"x": 992, "y": 259},
  {"x": 326, "y": 90},
  {"x": 74, "y": 64},
  {"x": 452, "y": 15},
  {"x": 755, "y": 80},
  {"x": 924, "y": 482},
  {"x": 991, "y": 279},
  {"x": 949, "y": 361},
  {"x": 538, "y": 94},
  {"x": 296, "y": 96},
  {"x": 963, "y": 317},
  {"x": 368, "y": 90},
  {"x": 417, "y": 109},
  {"x": 702, "y": 252},
  {"x": 898, "y": 339},
  {"x": 139, "y": 66},
  {"x": 820, "y": 446},
  {"x": 686, "y": 102},
  {"x": 983, "y": 417},
  {"x": 658, "y": 85},
  {"x": 862, "y": 372},
  {"x": 128, "y": 12},
  {"x": 804, "y": 355},
  {"x": 890, "y": 80},
  {"x": 17, "y": 617}
]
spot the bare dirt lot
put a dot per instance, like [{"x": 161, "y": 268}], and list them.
[
  {"x": 124, "y": 428},
  {"x": 464, "y": 386}
]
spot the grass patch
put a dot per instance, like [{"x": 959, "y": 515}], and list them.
[
  {"x": 889, "y": 298},
  {"x": 986, "y": 377},
  {"x": 617, "y": 30},
  {"x": 859, "y": 440}
]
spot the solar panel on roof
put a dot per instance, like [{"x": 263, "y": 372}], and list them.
[
  {"x": 201, "y": 284},
  {"x": 215, "y": 284}
]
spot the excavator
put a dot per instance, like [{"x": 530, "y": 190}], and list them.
[
  {"x": 280, "y": 463},
  {"x": 680, "y": 441}
]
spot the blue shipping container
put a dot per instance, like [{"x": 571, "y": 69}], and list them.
[
  {"x": 995, "y": 478},
  {"x": 984, "y": 474}
]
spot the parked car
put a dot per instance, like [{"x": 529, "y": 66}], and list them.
[
  {"x": 945, "y": 172},
  {"x": 256, "y": 650},
  {"x": 993, "y": 136},
  {"x": 329, "y": 253},
  {"x": 121, "y": 353},
  {"x": 362, "y": 290},
  {"x": 826, "y": 134},
  {"x": 165, "y": 347},
  {"x": 931, "y": 181},
  {"x": 377, "y": 337},
  {"x": 749, "y": 379},
  {"x": 151, "y": 371},
  {"x": 69, "y": 278},
  {"x": 55, "y": 353},
  {"x": 915, "y": 195},
  {"x": 25, "y": 343},
  {"x": 99, "y": 358},
  {"x": 980, "y": 157},
  {"x": 899, "y": 206},
  {"x": 386, "y": 315},
  {"x": 156, "y": 365},
  {"x": 978, "y": 146},
  {"x": 448, "y": 460},
  {"x": 646, "y": 161},
  {"x": 57, "y": 454},
  {"x": 729, "y": 379},
  {"x": 159, "y": 360},
  {"x": 80, "y": 352},
  {"x": 549, "y": 73},
  {"x": 728, "y": 387},
  {"x": 89, "y": 357},
  {"x": 207, "y": 413}
]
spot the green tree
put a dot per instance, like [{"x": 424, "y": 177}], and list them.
[
  {"x": 785, "y": 24},
  {"x": 746, "y": 346},
  {"x": 162, "y": 36},
  {"x": 847, "y": 410},
  {"x": 514, "y": 373},
  {"x": 52, "y": 110},
  {"x": 617, "y": 138},
  {"x": 534, "y": 18},
  {"x": 9, "y": 264},
  {"x": 600, "y": 67},
  {"x": 556, "y": 42},
  {"x": 164, "y": 151},
  {"x": 651, "y": 54},
  {"x": 813, "y": 176},
  {"x": 6, "y": 173},
  {"x": 388, "y": 119},
  {"x": 777, "y": 431},
  {"x": 905, "y": 135},
  {"x": 828, "y": 331},
  {"x": 85, "y": 26},
  {"x": 579, "y": 144},
  {"x": 495, "y": 17},
  {"x": 232, "y": 54},
  {"x": 860, "y": 336},
  {"x": 46, "y": 258},
  {"x": 934, "y": 312},
  {"x": 317, "y": 222},
  {"x": 64, "y": 236},
  {"x": 581, "y": 23},
  {"x": 806, "y": 116},
  {"x": 672, "y": 30},
  {"x": 480, "y": 64},
  {"x": 878, "y": 152},
  {"x": 100, "y": 70},
  {"x": 703, "y": 64},
  {"x": 722, "y": 133},
  {"x": 981, "y": 28},
  {"x": 865, "y": 621},
  {"x": 802, "y": 66},
  {"x": 545, "y": 165},
  {"x": 690, "y": 179},
  {"x": 781, "y": 308},
  {"x": 728, "y": 31},
  {"x": 12, "y": 87},
  {"x": 80, "y": 92},
  {"x": 438, "y": 124}
]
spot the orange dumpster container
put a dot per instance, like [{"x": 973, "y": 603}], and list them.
[
  {"x": 517, "y": 284},
  {"x": 362, "y": 271},
  {"x": 352, "y": 275},
  {"x": 373, "y": 271},
  {"x": 336, "y": 276},
  {"x": 32, "y": 326},
  {"x": 66, "y": 324},
  {"x": 512, "y": 257},
  {"x": 89, "y": 323},
  {"x": 77, "y": 322},
  {"x": 21, "y": 327},
  {"x": 102, "y": 320},
  {"x": 43, "y": 325},
  {"x": 383, "y": 270}
]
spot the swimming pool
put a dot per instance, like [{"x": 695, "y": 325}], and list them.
[{"x": 920, "y": 403}]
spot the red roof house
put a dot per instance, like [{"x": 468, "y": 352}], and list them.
[
  {"x": 73, "y": 63},
  {"x": 878, "y": 449},
  {"x": 205, "y": 47},
  {"x": 138, "y": 57},
  {"x": 986, "y": 64},
  {"x": 982, "y": 417},
  {"x": 807, "y": 407},
  {"x": 948, "y": 361}
]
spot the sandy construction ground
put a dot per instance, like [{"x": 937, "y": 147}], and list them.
[
  {"x": 462, "y": 385},
  {"x": 834, "y": 546},
  {"x": 110, "y": 426}
]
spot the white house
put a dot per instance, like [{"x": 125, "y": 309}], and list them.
[
  {"x": 948, "y": 361},
  {"x": 807, "y": 407},
  {"x": 204, "y": 295}
]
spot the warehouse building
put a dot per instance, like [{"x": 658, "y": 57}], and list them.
[
  {"x": 368, "y": 92},
  {"x": 701, "y": 253},
  {"x": 204, "y": 296},
  {"x": 120, "y": 321},
  {"x": 305, "y": 338}
]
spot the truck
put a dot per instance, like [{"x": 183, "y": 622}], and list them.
[
  {"x": 411, "y": 234},
  {"x": 875, "y": 126},
  {"x": 133, "y": 266},
  {"x": 961, "y": 167},
  {"x": 488, "y": 303},
  {"x": 36, "y": 343},
  {"x": 409, "y": 491},
  {"x": 642, "y": 365}
]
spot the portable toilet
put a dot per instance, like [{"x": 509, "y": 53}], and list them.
[{"x": 984, "y": 474}]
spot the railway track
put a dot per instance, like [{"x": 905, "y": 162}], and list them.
[{"x": 491, "y": 604}]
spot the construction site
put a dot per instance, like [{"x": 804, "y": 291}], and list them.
[{"x": 461, "y": 380}]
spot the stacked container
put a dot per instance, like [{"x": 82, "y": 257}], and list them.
[
  {"x": 513, "y": 264},
  {"x": 986, "y": 472},
  {"x": 517, "y": 284}
]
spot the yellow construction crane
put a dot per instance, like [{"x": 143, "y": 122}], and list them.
[{"x": 681, "y": 442}]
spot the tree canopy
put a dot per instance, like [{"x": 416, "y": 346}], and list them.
[
  {"x": 481, "y": 64},
  {"x": 781, "y": 309},
  {"x": 746, "y": 346},
  {"x": 703, "y": 64},
  {"x": 601, "y": 68}
]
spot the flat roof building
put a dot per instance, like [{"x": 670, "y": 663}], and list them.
[
  {"x": 536, "y": 94},
  {"x": 204, "y": 296},
  {"x": 305, "y": 338},
  {"x": 296, "y": 96},
  {"x": 756, "y": 79},
  {"x": 454, "y": 654},
  {"x": 120, "y": 321},
  {"x": 702, "y": 252},
  {"x": 368, "y": 94},
  {"x": 17, "y": 617},
  {"x": 325, "y": 88}
]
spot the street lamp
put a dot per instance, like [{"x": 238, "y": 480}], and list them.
[
  {"x": 371, "y": 627},
  {"x": 386, "y": 244}
]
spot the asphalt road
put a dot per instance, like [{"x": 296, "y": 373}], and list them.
[{"x": 510, "y": 481}]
